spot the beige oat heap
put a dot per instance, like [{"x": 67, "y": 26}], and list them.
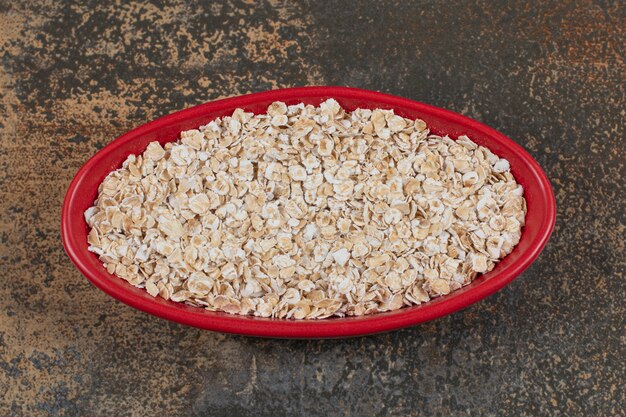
[{"x": 307, "y": 212}]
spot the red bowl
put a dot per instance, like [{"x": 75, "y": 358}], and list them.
[{"x": 84, "y": 187}]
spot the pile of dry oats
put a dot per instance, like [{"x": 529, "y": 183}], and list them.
[{"x": 306, "y": 213}]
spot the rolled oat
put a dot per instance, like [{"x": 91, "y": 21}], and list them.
[{"x": 306, "y": 213}]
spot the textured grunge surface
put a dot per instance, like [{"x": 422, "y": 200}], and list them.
[{"x": 551, "y": 75}]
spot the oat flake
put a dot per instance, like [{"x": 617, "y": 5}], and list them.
[{"x": 306, "y": 213}]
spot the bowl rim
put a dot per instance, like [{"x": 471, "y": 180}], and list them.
[{"x": 289, "y": 328}]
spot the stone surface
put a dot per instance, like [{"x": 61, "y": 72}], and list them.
[{"x": 75, "y": 75}]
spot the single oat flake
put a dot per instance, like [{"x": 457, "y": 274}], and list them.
[{"x": 307, "y": 213}]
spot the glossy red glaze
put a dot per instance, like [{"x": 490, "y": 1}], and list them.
[{"x": 83, "y": 190}]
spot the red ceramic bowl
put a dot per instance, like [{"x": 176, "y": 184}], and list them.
[{"x": 83, "y": 190}]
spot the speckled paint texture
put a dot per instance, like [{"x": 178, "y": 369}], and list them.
[{"x": 551, "y": 75}]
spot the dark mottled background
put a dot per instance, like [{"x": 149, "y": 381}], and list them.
[{"x": 551, "y": 75}]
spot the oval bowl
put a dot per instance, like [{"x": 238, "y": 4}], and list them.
[{"x": 83, "y": 190}]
